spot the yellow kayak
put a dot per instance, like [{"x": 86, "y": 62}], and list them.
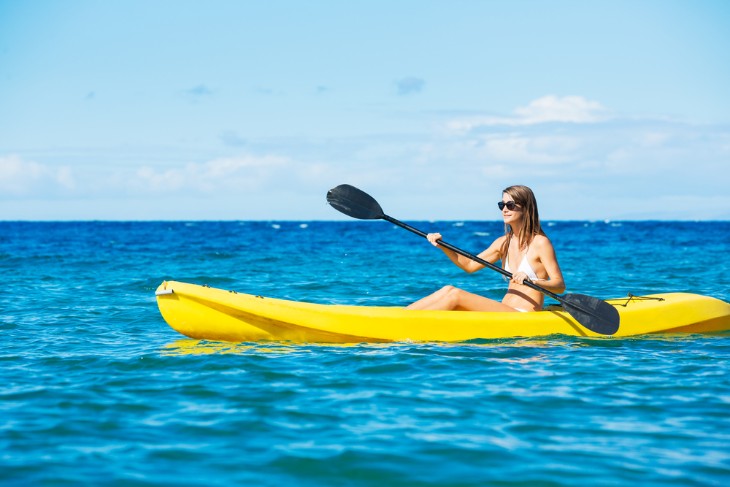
[{"x": 215, "y": 314}]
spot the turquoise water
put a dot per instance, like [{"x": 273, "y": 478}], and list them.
[{"x": 96, "y": 389}]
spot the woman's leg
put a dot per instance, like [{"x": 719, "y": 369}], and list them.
[
  {"x": 431, "y": 301},
  {"x": 453, "y": 298}
]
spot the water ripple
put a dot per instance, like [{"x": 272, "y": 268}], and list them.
[{"x": 96, "y": 389}]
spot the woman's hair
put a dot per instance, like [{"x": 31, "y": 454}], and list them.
[{"x": 525, "y": 198}]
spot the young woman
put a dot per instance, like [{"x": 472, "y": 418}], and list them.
[{"x": 524, "y": 250}]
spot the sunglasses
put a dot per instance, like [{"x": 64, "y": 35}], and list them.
[{"x": 511, "y": 205}]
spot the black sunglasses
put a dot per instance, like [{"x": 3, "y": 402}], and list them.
[{"x": 511, "y": 205}]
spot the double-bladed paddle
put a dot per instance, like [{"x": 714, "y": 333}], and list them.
[{"x": 593, "y": 313}]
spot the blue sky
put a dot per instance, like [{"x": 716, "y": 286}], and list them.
[{"x": 141, "y": 110}]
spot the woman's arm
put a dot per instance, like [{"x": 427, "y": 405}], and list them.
[
  {"x": 549, "y": 260},
  {"x": 491, "y": 255}
]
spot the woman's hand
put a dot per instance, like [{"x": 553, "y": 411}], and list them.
[
  {"x": 519, "y": 278},
  {"x": 433, "y": 237}
]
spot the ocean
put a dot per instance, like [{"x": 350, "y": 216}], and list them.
[{"x": 96, "y": 389}]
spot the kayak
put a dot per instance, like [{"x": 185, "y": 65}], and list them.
[{"x": 207, "y": 313}]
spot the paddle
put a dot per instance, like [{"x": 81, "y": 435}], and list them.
[{"x": 594, "y": 314}]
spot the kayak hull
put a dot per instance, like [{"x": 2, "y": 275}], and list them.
[{"x": 206, "y": 313}]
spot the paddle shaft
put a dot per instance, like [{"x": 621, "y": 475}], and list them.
[{"x": 473, "y": 257}]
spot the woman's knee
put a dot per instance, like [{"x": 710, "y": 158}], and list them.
[{"x": 452, "y": 295}]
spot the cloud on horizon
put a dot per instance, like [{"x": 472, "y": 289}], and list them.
[
  {"x": 547, "y": 109},
  {"x": 610, "y": 167},
  {"x": 232, "y": 173},
  {"x": 20, "y": 178}
]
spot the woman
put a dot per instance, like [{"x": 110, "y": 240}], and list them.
[{"x": 524, "y": 250}]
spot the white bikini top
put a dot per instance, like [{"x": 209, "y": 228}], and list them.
[{"x": 523, "y": 267}]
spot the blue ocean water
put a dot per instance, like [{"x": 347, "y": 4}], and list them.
[{"x": 96, "y": 389}]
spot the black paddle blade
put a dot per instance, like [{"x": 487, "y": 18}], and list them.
[
  {"x": 354, "y": 202},
  {"x": 593, "y": 313}
]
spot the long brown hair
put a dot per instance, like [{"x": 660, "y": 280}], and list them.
[{"x": 525, "y": 198}]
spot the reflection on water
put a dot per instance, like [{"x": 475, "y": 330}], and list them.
[{"x": 204, "y": 347}]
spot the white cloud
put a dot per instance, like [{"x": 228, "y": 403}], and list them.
[
  {"x": 19, "y": 177},
  {"x": 218, "y": 174},
  {"x": 541, "y": 149},
  {"x": 575, "y": 109},
  {"x": 522, "y": 150},
  {"x": 651, "y": 163},
  {"x": 548, "y": 109}
]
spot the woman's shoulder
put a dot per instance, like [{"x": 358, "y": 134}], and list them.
[
  {"x": 499, "y": 241},
  {"x": 497, "y": 245},
  {"x": 541, "y": 241}
]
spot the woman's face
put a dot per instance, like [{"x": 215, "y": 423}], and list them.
[{"x": 510, "y": 216}]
